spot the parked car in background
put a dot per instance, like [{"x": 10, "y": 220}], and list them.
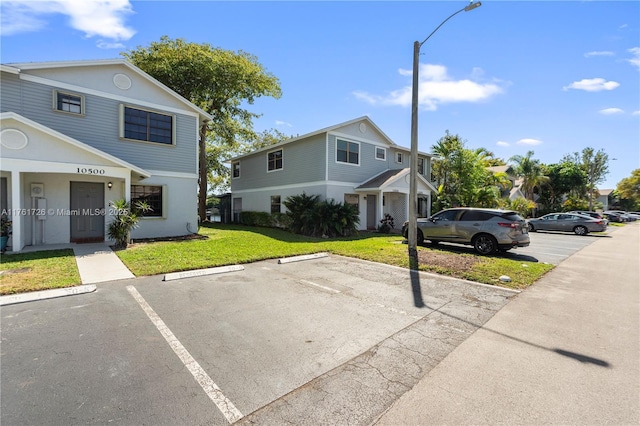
[
  {"x": 567, "y": 222},
  {"x": 623, "y": 215},
  {"x": 487, "y": 230},
  {"x": 594, "y": 215},
  {"x": 613, "y": 217}
]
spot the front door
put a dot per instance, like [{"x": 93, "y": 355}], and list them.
[
  {"x": 87, "y": 212},
  {"x": 371, "y": 212}
]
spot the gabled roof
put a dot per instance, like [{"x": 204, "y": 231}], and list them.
[
  {"x": 16, "y": 68},
  {"x": 380, "y": 180},
  {"x": 327, "y": 130},
  {"x": 389, "y": 177},
  {"x": 606, "y": 192},
  {"x": 74, "y": 142}
]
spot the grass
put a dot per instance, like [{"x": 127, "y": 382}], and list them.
[
  {"x": 233, "y": 244},
  {"x": 38, "y": 271}
]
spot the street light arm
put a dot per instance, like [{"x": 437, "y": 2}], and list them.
[{"x": 464, "y": 9}]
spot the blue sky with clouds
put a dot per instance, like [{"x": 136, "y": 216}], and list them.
[{"x": 511, "y": 76}]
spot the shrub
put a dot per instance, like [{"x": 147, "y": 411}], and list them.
[
  {"x": 125, "y": 219},
  {"x": 386, "y": 224},
  {"x": 309, "y": 216},
  {"x": 250, "y": 218}
]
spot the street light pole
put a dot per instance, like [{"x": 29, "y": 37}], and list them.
[{"x": 413, "y": 167}]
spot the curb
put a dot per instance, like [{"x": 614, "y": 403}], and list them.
[
  {"x": 303, "y": 257},
  {"x": 46, "y": 294},
  {"x": 202, "y": 272}
]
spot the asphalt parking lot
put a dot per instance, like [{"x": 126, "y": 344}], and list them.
[
  {"x": 554, "y": 247},
  {"x": 333, "y": 339}
]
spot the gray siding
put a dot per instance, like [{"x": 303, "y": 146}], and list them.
[
  {"x": 99, "y": 126},
  {"x": 303, "y": 161},
  {"x": 369, "y": 165}
]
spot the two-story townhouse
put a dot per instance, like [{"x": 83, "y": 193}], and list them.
[
  {"x": 77, "y": 135},
  {"x": 352, "y": 162}
]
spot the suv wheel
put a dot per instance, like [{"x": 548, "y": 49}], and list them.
[{"x": 485, "y": 244}]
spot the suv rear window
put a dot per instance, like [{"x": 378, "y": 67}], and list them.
[{"x": 512, "y": 216}]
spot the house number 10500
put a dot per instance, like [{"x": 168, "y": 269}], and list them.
[{"x": 86, "y": 171}]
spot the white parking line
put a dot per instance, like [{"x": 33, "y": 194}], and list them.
[
  {"x": 329, "y": 289},
  {"x": 211, "y": 389}
]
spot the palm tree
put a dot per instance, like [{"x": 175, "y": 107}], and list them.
[{"x": 531, "y": 172}]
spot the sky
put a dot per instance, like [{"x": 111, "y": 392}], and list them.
[{"x": 552, "y": 77}]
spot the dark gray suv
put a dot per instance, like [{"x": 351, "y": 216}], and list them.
[{"x": 487, "y": 230}]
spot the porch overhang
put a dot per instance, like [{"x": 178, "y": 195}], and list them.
[{"x": 395, "y": 181}]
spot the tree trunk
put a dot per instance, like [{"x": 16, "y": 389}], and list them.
[{"x": 202, "y": 172}]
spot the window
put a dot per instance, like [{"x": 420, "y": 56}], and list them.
[
  {"x": 66, "y": 102},
  {"x": 152, "y": 195},
  {"x": 381, "y": 153},
  {"x": 446, "y": 215},
  {"x": 275, "y": 204},
  {"x": 398, "y": 157},
  {"x": 421, "y": 166},
  {"x": 352, "y": 200},
  {"x": 274, "y": 160},
  {"x": 147, "y": 126},
  {"x": 348, "y": 152},
  {"x": 235, "y": 169}
]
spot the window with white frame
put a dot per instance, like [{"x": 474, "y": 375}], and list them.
[
  {"x": 421, "y": 166},
  {"x": 274, "y": 160},
  {"x": 275, "y": 204},
  {"x": 399, "y": 157},
  {"x": 347, "y": 152},
  {"x": 150, "y": 194},
  {"x": 381, "y": 153},
  {"x": 147, "y": 126},
  {"x": 235, "y": 169},
  {"x": 68, "y": 102}
]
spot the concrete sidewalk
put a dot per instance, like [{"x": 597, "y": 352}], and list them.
[
  {"x": 97, "y": 263},
  {"x": 565, "y": 351}
]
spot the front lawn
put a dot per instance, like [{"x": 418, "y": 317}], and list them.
[
  {"x": 38, "y": 271},
  {"x": 232, "y": 244}
]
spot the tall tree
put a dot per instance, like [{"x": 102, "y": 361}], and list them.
[
  {"x": 218, "y": 81},
  {"x": 595, "y": 166},
  {"x": 462, "y": 174},
  {"x": 629, "y": 190},
  {"x": 566, "y": 179},
  {"x": 530, "y": 170}
]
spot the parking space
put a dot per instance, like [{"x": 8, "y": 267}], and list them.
[
  {"x": 554, "y": 247},
  {"x": 212, "y": 349}
]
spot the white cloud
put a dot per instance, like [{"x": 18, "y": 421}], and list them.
[
  {"x": 502, "y": 143},
  {"x": 102, "y": 18},
  {"x": 636, "y": 112},
  {"x": 635, "y": 61},
  {"x": 611, "y": 111},
  {"x": 435, "y": 87},
  {"x": 106, "y": 45},
  {"x": 592, "y": 85},
  {"x": 283, "y": 123},
  {"x": 598, "y": 53},
  {"x": 530, "y": 142}
]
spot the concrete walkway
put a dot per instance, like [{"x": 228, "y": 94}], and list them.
[
  {"x": 565, "y": 351},
  {"x": 97, "y": 263}
]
